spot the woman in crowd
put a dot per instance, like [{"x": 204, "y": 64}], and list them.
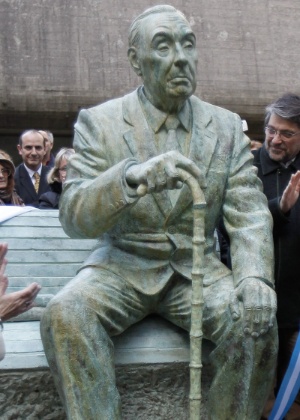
[
  {"x": 56, "y": 177},
  {"x": 8, "y": 195}
]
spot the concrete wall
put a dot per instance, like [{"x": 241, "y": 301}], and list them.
[{"x": 60, "y": 55}]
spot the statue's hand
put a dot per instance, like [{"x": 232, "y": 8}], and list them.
[
  {"x": 259, "y": 303},
  {"x": 160, "y": 172}
]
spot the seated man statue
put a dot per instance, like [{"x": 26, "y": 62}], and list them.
[{"x": 145, "y": 138}]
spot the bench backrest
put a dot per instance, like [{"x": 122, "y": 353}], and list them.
[{"x": 39, "y": 250}]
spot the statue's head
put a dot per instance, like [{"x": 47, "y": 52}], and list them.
[{"x": 162, "y": 51}]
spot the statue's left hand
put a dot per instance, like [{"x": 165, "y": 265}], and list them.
[{"x": 259, "y": 303}]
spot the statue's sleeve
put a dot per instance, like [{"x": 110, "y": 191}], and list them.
[
  {"x": 95, "y": 194},
  {"x": 246, "y": 216}
]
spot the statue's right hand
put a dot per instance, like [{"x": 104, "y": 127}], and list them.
[{"x": 161, "y": 172}]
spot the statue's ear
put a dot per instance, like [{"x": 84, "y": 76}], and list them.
[{"x": 134, "y": 60}]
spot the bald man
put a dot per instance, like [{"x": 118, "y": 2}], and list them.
[{"x": 31, "y": 176}]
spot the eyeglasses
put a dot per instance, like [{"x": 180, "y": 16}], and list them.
[
  {"x": 64, "y": 169},
  {"x": 5, "y": 172},
  {"x": 283, "y": 134}
]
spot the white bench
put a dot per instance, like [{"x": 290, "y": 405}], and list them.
[{"x": 151, "y": 357}]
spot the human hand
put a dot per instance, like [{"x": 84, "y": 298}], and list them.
[
  {"x": 260, "y": 304},
  {"x": 291, "y": 193},
  {"x": 161, "y": 172},
  {"x": 13, "y": 304}
]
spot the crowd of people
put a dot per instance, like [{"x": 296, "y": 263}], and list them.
[{"x": 38, "y": 180}]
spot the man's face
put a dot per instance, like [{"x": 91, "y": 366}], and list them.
[
  {"x": 32, "y": 150},
  {"x": 278, "y": 147},
  {"x": 167, "y": 58}
]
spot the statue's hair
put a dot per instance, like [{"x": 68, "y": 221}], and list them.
[
  {"x": 287, "y": 107},
  {"x": 134, "y": 31}
]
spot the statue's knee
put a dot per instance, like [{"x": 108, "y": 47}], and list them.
[{"x": 59, "y": 312}]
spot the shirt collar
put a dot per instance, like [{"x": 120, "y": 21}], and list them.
[
  {"x": 157, "y": 118},
  {"x": 31, "y": 172},
  {"x": 287, "y": 164}
]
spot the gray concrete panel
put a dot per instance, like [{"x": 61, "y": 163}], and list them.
[{"x": 59, "y": 56}]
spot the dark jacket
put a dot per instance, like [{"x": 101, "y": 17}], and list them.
[
  {"x": 50, "y": 199},
  {"x": 24, "y": 186},
  {"x": 286, "y": 234}
]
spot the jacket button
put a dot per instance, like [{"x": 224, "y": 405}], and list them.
[{"x": 172, "y": 229}]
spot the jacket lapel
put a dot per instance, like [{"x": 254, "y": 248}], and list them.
[
  {"x": 44, "y": 186},
  {"x": 26, "y": 183}
]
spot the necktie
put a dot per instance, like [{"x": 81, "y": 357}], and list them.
[
  {"x": 172, "y": 143},
  {"x": 171, "y": 125},
  {"x": 36, "y": 176}
]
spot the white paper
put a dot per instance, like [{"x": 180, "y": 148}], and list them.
[{"x": 7, "y": 212}]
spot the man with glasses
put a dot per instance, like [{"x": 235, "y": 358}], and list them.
[{"x": 278, "y": 163}]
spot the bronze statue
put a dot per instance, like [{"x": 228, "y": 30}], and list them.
[{"x": 147, "y": 138}]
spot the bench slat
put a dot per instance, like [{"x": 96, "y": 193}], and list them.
[
  {"x": 35, "y": 270},
  {"x": 25, "y": 244},
  {"x": 154, "y": 340},
  {"x": 29, "y": 232},
  {"x": 24, "y": 361},
  {"x": 45, "y": 289},
  {"x": 32, "y": 222},
  {"x": 34, "y": 217},
  {"x": 49, "y": 256},
  {"x": 20, "y": 282}
]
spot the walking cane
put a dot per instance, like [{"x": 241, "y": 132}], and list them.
[{"x": 197, "y": 291}]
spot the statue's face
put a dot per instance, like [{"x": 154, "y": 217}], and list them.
[{"x": 168, "y": 58}]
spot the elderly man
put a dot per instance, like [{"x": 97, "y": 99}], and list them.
[
  {"x": 278, "y": 163},
  {"x": 31, "y": 176},
  {"x": 145, "y": 266}
]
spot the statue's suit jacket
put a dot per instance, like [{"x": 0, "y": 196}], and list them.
[
  {"x": 144, "y": 240},
  {"x": 25, "y": 188}
]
